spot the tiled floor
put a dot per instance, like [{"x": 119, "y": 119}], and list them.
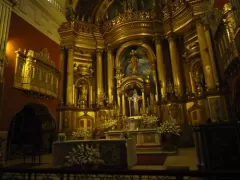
[{"x": 185, "y": 157}]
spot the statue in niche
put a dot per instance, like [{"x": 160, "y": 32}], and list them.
[
  {"x": 154, "y": 3},
  {"x": 198, "y": 77},
  {"x": 134, "y": 62},
  {"x": 124, "y": 5},
  {"x": 134, "y": 107},
  {"x": 117, "y": 12},
  {"x": 83, "y": 17},
  {"x": 142, "y": 4},
  {"x": 132, "y": 4},
  {"x": 82, "y": 94}
]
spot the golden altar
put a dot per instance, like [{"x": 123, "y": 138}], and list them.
[{"x": 142, "y": 137}]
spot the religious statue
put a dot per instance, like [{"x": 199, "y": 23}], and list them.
[
  {"x": 124, "y": 5},
  {"x": 134, "y": 62},
  {"x": 135, "y": 99},
  {"x": 117, "y": 12},
  {"x": 132, "y": 4},
  {"x": 82, "y": 94},
  {"x": 142, "y": 4}
]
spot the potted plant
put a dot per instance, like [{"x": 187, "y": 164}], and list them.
[
  {"x": 82, "y": 133},
  {"x": 167, "y": 131},
  {"x": 84, "y": 156}
]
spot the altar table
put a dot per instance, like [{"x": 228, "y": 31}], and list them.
[{"x": 117, "y": 153}]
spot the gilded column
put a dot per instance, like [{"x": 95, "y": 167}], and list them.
[
  {"x": 143, "y": 102},
  {"x": 5, "y": 16},
  {"x": 155, "y": 81},
  {"x": 110, "y": 76},
  {"x": 176, "y": 66},
  {"x": 119, "y": 99},
  {"x": 161, "y": 67},
  {"x": 99, "y": 77},
  {"x": 204, "y": 51},
  {"x": 211, "y": 55},
  {"x": 61, "y": 80},
  {"x": 90, "y": 96},
  {"x": 123, "y": 105},
  {"x": 70, "y": 77}
]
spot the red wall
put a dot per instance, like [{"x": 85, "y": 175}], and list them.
[
  {"x": 220, "y": 3},
  {"x": 23, "y": 35}
]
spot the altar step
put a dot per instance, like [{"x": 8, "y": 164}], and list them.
[{"x": 155, "y": 150}]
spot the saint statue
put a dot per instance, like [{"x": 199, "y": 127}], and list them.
[
  {"x": 132, "y": 4},
  {"x": 134, "y": 62},
  {"x": 124, "y": 5},
  {"x": 142, "y": 4}
]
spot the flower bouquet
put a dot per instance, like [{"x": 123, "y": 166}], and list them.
[
  {"x": 82, "y": 133},
  {"x": 108, "y": 124},
  {"x": 169, "y": 127},
  {"x": 83, "y": 156},
  {"x": 168, "y": 130}
]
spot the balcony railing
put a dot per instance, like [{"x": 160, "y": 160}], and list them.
[{"x": 73, "y": 174}]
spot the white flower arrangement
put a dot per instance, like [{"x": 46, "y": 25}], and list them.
[
  {"x": 169, "y": 127},
  {"x": 81, "y": 132},
  {"x": 82, "y": 155},
  {"x": 108, "y": 124},
  {"x": 150, "y": 120}
]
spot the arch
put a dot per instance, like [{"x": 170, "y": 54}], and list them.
[
  {"x": 33, "y": 127},
  {"x": 132, "y": 80},
  {"x": 82, "y": 79},
  {"x": 85, "y": 118},
  {"x": 120, "y": 51}
]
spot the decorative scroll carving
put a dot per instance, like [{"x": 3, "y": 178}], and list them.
[{"x": 36, "y": 73}]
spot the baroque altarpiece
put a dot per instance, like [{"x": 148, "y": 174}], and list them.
[{"x": 139, "y": 58}]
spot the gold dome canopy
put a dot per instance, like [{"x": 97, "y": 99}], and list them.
[{"x": 112, "y": 22}]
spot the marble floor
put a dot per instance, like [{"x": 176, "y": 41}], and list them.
[{"x": 186, "y": 157}]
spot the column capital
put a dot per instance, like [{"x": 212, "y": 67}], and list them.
[
  {"x": 171, "y": 36},
  {"x": 62, "y": 48},
  {"x": 198, "y": 20},
  {"x": 69, "y": 48},
  {"x": 158, "y": 39},
  {"x": 108, "y": 49},
  {"x": 99, "y": 51}
]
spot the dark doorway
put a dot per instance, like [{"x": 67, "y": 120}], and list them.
[
  {"x": 236, "y": 98},
  {"x": 31, "y": 132}
]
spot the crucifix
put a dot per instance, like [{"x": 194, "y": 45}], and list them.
[{"x": 135, "y": 99}]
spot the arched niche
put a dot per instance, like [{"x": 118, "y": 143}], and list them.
[
  {"x": 120, "y": 52},
  {"x": 197, "y": 114},
  {"x": 82, "y": 92},
  {"x": 85, "y": 121}
]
